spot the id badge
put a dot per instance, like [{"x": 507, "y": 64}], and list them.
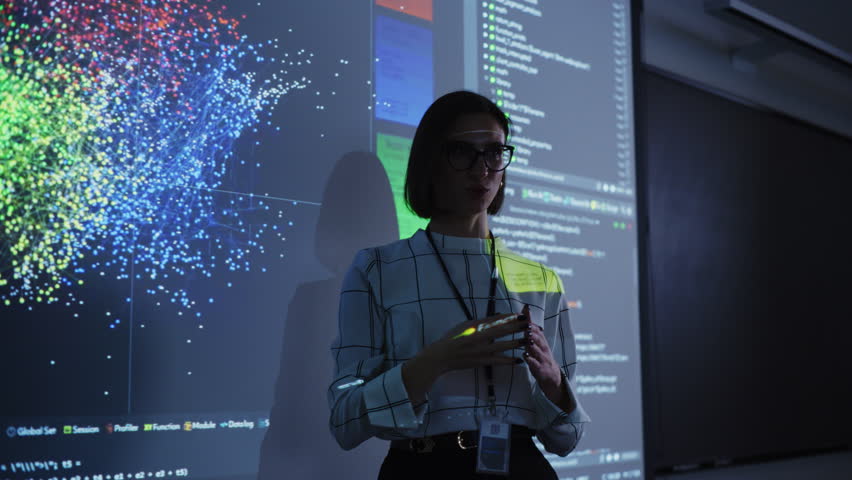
[{"x": 495, "y": 437}]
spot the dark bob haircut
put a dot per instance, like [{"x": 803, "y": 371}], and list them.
[{"x": 428, "y": 142}]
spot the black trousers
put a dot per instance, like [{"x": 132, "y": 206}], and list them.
[{"x": 526, "y": 462}]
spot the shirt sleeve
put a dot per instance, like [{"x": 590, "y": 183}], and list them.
[
  {"x": 367, "y": 396},
  {"x": 558, "y": 431}
]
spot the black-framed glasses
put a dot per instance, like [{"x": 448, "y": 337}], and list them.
[{"x": 463, "y": 155}]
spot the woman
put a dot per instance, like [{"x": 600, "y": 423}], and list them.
[{"x": 448, "y": 330}]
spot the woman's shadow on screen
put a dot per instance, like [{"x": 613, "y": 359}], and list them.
[{"x": 357, "y": 212}]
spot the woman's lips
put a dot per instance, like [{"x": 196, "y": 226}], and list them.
[{"x": 478, "y": 190}]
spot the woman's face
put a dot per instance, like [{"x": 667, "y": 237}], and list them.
[{"x": 468, "y": 192}]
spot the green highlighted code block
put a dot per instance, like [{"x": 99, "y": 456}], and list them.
[{"x": 393, "y": 151}]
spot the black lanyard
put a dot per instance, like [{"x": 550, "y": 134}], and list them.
[{"x": 492, "y": 290}]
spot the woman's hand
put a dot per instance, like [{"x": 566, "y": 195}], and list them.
[
  {"x": 466, "y": 345},
  {"x": 544, "y": 368}
]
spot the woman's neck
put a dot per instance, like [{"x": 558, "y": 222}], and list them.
[{"x": 474, "y": 227}]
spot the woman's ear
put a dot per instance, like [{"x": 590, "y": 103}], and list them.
[{"x": 497, "y": 203}]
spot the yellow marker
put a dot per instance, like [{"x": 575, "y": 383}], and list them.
[{"x": 469, "y": 331}]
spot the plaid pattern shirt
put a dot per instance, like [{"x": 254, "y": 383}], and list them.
[{"x": 395, "y": 300}]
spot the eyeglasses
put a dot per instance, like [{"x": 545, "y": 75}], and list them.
[{"x": 463, "y": 155}]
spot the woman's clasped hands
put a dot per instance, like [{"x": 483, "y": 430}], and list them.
[{"x": 475, "y": 343}]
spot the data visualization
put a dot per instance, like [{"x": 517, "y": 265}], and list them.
[{"x": 184, "y": 182}]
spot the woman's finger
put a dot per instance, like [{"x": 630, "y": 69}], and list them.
[
  {"x": 504, "y": 345},
  {"x": 477, "y": 321},
  {"x": 538, "y": 352},
  {"x": 514, "y": 324},
  {"x": 537, "y": 337},
  {"x": 501, "y": 360},
  {"x": 535, "y": 365},
  {"x": 491, "y": 327},
  {"x": 485, "y": 360}
]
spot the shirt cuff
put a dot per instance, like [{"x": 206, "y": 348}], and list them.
[
  {"x": 550, "y": 414},
  {"x": 387, "y": 402}
]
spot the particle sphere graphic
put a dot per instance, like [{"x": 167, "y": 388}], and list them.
[{"x": 117, "y": 126}]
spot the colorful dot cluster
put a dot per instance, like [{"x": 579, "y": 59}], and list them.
[{"x": 118, "y": 123}]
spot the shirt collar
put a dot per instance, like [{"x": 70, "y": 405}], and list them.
[{"x": 469, "y": 244}]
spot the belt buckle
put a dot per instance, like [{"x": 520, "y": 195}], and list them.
[
  {"x": 422, "y": 445},
  {"x": 460, "y": 441}
]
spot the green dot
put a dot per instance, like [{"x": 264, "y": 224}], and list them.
[
  {"x": 491, "y": 28},
  {"x": 491, "y": 47},
  {"x": 491, "y": 17},
  {"x": 492, "y": 80},
  {"x": 500, "y": 92},
  {"x": 491, "y": 7},
  {"x": 491, "y": 37},
  {"x": 491, "y": 58}
]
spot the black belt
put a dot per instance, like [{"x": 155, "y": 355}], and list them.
[{"x": 463, "y": 440}]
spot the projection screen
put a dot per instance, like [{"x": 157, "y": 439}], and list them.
[{"x": 184, "y": 182}]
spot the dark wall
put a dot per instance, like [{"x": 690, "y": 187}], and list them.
[{"x": 748, "y": 248}]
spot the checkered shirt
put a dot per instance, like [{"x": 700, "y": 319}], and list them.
[{"x": 395, "y": 300}]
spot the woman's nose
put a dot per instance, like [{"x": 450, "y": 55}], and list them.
[{"x": 479, "y": 168}]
